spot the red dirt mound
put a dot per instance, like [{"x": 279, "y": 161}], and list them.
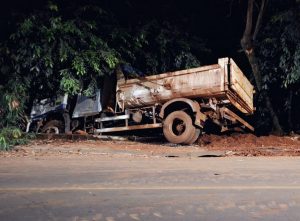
[{"x": 249, "y": 144}]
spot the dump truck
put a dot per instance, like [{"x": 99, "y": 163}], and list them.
[{"x": 183, "y": 103}]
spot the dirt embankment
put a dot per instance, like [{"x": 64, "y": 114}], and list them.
[
  {"x": 207, "y": 145},
  {"x": 251, "y": 145}
]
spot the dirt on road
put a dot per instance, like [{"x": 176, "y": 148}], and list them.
[{"x": 206, "y": 146}]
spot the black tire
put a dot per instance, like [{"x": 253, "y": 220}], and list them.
[
  {"x": 53, "y": 127},
  {"x": 194, "y": 137},
  {"x": 178, "y": 127}
]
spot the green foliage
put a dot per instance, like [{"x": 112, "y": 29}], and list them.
[
  {"x": 50, "y": 53},
  {"x": 68, "y": 83},
  {"x": 47, "y": 54},
  {"x": 279, "y": 54},
  {"x": 291, "y": 63},
  {"x": 11, "y": 107},
  {"x": 155, "y": 47},
  {"x": 12, "y": 136},
  {"x": 55, "y": 53},
  {"x": 280, "y": 50}
]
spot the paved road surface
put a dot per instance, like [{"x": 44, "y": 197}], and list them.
[{"x": 130, "y": 188}]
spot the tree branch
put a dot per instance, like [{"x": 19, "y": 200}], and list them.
[
  {"x": 248, "y": 27},
  {"x": 259, "y": 18},
  {"x": 230, "y": 8},
  {"x": 246, "y": 41}
]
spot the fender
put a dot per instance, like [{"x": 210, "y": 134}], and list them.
[{"x": 200, "y": 118}]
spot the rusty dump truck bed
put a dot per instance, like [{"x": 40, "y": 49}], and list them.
[{"x": 223, "y": 81}]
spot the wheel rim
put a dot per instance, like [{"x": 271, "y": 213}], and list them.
[
  {"x": 178, "y": 127},
  {"x": 52, "y": 130}
]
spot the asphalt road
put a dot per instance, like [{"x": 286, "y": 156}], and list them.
[{"x": 130, "y": 188}]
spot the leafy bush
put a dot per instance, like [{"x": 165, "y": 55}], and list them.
[{"x": 12, "y": 136}]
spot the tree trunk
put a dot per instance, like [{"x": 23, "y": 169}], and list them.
[
  {"x": 289, "y": 111},
  {"x": 247, "y": 40}
]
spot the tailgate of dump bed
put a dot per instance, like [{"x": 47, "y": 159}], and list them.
[{"x": 240, "y": 90}]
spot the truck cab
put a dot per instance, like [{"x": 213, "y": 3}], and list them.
[{"x": 63, "y": 113}]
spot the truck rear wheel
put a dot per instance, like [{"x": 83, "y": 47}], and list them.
[
  {"x": 53, "y": 127},
  {"x": 178, "y": 127},
  {"x": 193, "y": 137}
]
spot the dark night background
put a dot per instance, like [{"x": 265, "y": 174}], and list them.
[{"x": 219, "y": 23}]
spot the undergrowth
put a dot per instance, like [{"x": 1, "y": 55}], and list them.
[{"x": 12, "y": 136}]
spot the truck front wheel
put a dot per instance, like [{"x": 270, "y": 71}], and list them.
[
  {"x": 53, "y": 127},
  {"x": 178, "y": 127}
]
